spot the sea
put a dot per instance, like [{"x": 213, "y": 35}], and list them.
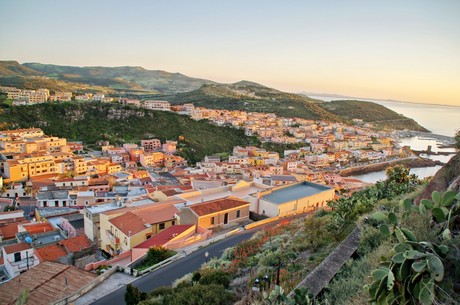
[{"x": 439, "y": 119}]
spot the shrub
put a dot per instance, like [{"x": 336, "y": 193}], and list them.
[
  {"x": 133, "y": 295},
  {"x": 216, "y": 278},
  {"x": 161, "y": 291},
  {"x": 200, "y": 295}
]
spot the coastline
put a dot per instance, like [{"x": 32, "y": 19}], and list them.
[
  {"x": 370, "y": 168},
  {"x": 445, "y": 140}
]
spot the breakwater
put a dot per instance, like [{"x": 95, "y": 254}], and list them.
[{"x": 370, "y": 168}]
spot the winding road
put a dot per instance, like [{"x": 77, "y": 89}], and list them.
[{"x": 166, "y": 275}]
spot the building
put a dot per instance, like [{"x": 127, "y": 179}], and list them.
[
  {"x": 92, "y": 221},
  {"x": 46, "y": 283},
  {"x": 216, "y": 213},
  {"x": 291, "y": 199},
  {"x": 123, "y": 229},
  {"x": 157, "y": 105},
  {"x": 151, "y": 145},
  {"x": 18, "y": 258}
]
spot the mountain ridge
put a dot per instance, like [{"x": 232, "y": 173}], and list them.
[{"x": 178, "y": 88}]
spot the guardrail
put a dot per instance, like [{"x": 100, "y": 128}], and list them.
[{"x": 158, "y": 265}]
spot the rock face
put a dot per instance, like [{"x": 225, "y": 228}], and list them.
[{"x": 446, "y": 177}]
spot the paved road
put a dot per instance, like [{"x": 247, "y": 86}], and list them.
[{"x": 166, "y": 275}]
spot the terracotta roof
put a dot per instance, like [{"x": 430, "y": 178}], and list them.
[
  {"x": 164, "y": 236},
  {"x": 17, "y": 248},
  {"x": 136, "y": 218},
  {"x": 51, "y": 253},
  {"x": 170, "y": 192},
  {"x": 39, "y": 227},
  {"x": 9, "y": 231},
  {"x": 218, "y": 205},
  {"x": 46, "y": 283},
  {"x": 129, "y": 223},
  {"x": 76, "y": 244}
]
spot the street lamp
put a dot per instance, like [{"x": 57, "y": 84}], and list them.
[
  {"x": 256, "y": 286},
  {"x": 206, "y": 254}
]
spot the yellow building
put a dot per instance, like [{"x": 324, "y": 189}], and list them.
[
  {"x": 25, "y": 167},
  {"x": 125, "y": 228}
]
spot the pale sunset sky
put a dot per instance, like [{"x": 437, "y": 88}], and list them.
[{"x": 402, "y": 50}]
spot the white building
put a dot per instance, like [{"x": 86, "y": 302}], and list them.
[
  {"x": 19, "y": 258},
  {"x": 157, "y": 105}
]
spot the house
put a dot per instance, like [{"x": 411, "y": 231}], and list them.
[
  {"x": 216, "y": 213},
  {"x": 287, "y": 200},
  {"x": 46, "y": 283},
  {"x": 18, "y": 258},
  {"x": 123, "y": 229}
]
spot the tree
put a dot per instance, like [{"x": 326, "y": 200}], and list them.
[{"x": 133, "y": 295}]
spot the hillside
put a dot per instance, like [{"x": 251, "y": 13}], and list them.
[
  {"x": 11, "y": 67},
  {"x": 372, "y": 113},
  {"x": 90, "y": 122},
  {"x": 254, "y": 97},
  {"x": 130, "y": 78},
  {"x": 179, "y": 89}
]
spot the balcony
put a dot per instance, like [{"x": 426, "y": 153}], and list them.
[
  {"x": 114, "y": 240},
  {"x": 22, "y": 264}
]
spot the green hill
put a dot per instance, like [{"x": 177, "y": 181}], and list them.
[
  {"x": 254, "y": 97},
  {"x": 129, "y": 78},
  {"x": 90, "y": 122},
  {"x": 10, "y": 67},
  {"x": 179, "y": 89},
  {"x": 372, "y": 113}
]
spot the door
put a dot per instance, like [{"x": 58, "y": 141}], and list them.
[{"x": 225, "y": 218}]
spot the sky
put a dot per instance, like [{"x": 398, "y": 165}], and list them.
[{"x": 401, "y": 50}]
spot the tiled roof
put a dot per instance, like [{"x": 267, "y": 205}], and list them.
[
  {"x": 40, "y": 227},
  {"x": 164, "y": 236},
  {"x": 9, "y": 231},
  {"x": 51, "y": 253},
  {"x": 129, "y": 223},
  {"x": 46, "y": 283},
  {"x": 17, "y": 248},
  {"x": 76, "y": 244},
  {"x": 136, "y": 218},
  {"x": 218, "y": 205}
]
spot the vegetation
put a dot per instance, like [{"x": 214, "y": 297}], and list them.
[
  {"x": 133, "y": 295},
  {"x": 254, "y": 97},
  {"x": 131, "y": 79},
  {"x": 156, "y": 255},
  {"x": 372, "y": 113},
  {"x": 179, "y": 89},
  {"x": 91, "y": 122},
  {"x": 415, "y": 268}
]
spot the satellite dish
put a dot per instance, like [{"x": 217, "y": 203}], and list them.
[{"x": 28, "y": 239}]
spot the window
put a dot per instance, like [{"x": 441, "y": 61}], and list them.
[
  {"x": 263, "y": 212},
  {"x": 161, "y": 226},
  {"x": 212, "y": 220},
  {"x": 17, "y": 256},
  {"x": 173, "y": 222},
  {"x": 238, "y": 214},
  {"x": 126, "y": 241}
]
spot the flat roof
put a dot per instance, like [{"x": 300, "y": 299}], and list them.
[
  {"x": 295, "y": 192},
  {"x": 96, "y": 209}
]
